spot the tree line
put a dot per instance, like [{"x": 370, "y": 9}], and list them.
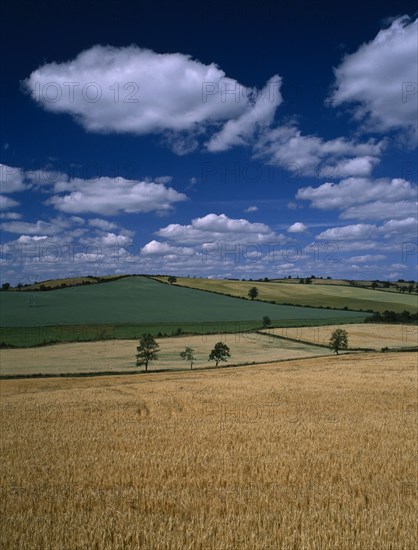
[{"x": 148, "y": 348}]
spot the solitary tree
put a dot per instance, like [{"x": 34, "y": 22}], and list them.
[
  {"x": 266, "y": 321},
  {"x": 220, "y": 352},
  {"x": 338, "y": 340},
  {"x": 147, "y": 350},
  {"x": 188, "y": 355},
  {"x": 172, "y": 279},
  {"x": 253, "y": 292}
]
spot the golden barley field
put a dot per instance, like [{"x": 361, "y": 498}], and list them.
[
  {"x": 363, "y": 335},
  {"x": 119, "y": 355},
  {"x": 305, "y": 454}
]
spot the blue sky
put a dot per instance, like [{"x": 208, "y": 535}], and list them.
[{"x": 216, "y": 139}]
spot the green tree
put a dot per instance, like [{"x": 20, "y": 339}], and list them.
[
  {"x": 338, "y": 340},
  {"x": 5, "y": 286},
  {"x": 188, "y": 355},
  {"x": 220, "y": 352},
  {"x": 147, "y": 350},
  {"x": 253, "y": 292},
  {"x": 172, "y": 279},
  {"x": 266, "y": 321}
]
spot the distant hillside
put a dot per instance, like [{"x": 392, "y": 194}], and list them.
[
  {"x": 317, "y": 294},
  {"x": 54, "y": 284}
]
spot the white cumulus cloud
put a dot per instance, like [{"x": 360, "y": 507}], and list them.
[
  {"x": 239, "y": 130},
  {"x": 138, "y": 91},
  {"x": 214, "y": 227},
  {"x": 353, "y": 193},
  {"x": 349, "y": 232},
  {"x": 111, "y": 196},
  {"x": 380, "y": 79},
  {"x": 288, "y": 147}
]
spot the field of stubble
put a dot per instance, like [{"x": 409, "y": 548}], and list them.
[
  {"x": 312, "y": 454},
  {"x": 119, "y": 355}
]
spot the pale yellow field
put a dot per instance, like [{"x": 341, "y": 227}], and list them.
[
  {"x": 369, "y": 336},
  {"x": 313, "y": 454},
  {"x": 119, "y": 355}
]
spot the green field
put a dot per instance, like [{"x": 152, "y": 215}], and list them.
[
  {"x": 314, "y": 295},
  {"x": 128, "y": 307}
]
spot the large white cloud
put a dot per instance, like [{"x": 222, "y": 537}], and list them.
[
  {"x": 214, "y": 227},
  {"x": 134, "y": 90},
  {"x": 110, "y": 196},
  {"x": 380, "y": 79}
]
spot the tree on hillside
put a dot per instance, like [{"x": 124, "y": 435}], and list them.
[
  {"x": 220, "y": 352},
  {"x": 5, "y": 286},
  {"x": 172, "y": 279},
  {"x": 253, "y": 292},
  {"x": 338, "y": 340},
  {"x": 188, "y": 355},
  {"x": 266, "y": 321},
  {"x": 147, "y": 350}
]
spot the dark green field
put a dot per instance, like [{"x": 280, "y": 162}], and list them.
[{"x": 128, "y": 307}]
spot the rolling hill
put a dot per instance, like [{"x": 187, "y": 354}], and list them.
[{"x": 139, "y": 304}]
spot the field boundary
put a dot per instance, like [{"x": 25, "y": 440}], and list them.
[
  {"x": 307, "y": 342},
  {"x": 169, "y": 371}
]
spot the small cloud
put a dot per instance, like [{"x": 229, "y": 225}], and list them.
[
  {"x": 367, "y": 258},
  {"x": 297, "y": 227},
  {"x": 104, "y": 225},
  {"x": 251, "y": 209},
  {"x": 10, "y": 216},
  {"x": 192, "y": 183}
]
